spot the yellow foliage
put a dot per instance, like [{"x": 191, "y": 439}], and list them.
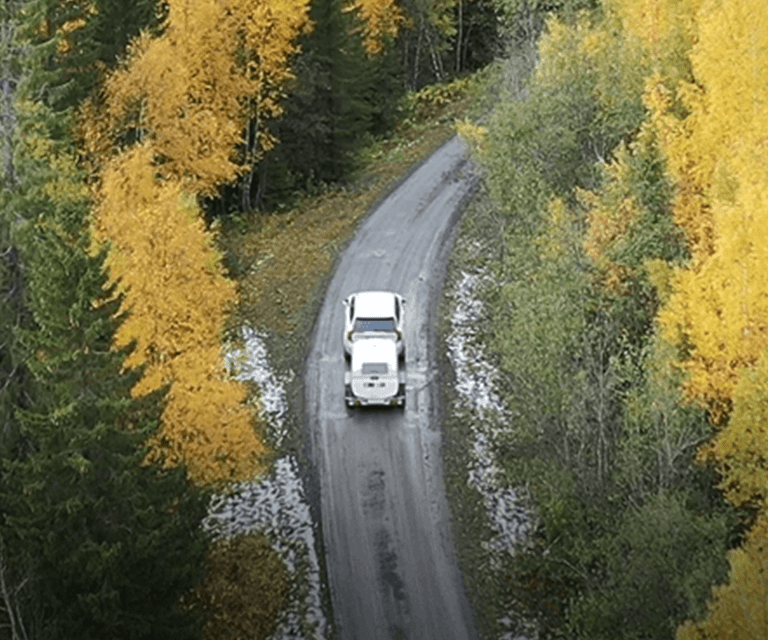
[
  {"x": 166, "y": 265},
  {"x": 430, "y": 100},
  {"x": 559, "y": 233},
  {"x": 738, "y": 609},
  {"x": 739, "y": 449},
  {"x": 192, "y": 91},
  {"x": 380, "y": 19},
  {"x": 611, "y": 212},
  {"x": 602, "y": 50},
  {"x": 660, "y": 275},
  {"x": 691, "y": 174},
  {"x": 717, "y": 155},
  {"x": 474, "y": 136},
  {"x": 556, "y": 50},
  {"x": 666, "y": 28},
  {"x": 718, "y": 158},
  {"x": 246, "y": 587}
]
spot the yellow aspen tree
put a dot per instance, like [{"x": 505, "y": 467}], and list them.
[
  {"x": 738, "y": 609},
  {"x": 718, "y": 308},
  {"x": 666, "y": 29},
  {"x": 177, "y": 298},
  {"x": 217, "y": 65},
  {"x": 719, "y": 153},
  {"x": 739, "y": 449},
  {"x": 167, "y": 129},
  {"x": 379, "y": 19}
]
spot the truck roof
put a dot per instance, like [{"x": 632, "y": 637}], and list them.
[{"x": 375, "y": 304}]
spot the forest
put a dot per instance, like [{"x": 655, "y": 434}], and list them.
[
  {"x": 629, "y": 320},
  {"x": 627, "y": 178}
]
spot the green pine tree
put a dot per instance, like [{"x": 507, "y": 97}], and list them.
[
  {"x": 340, "y": 95},
  {"x": 92, "y": 544},
  {"x": 69, "y": 60},
  {"x": 113, "y": 545}
]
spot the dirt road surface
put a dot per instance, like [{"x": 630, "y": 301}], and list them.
[{"x": 390, "y": 556}]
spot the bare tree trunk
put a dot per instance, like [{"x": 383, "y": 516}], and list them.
[
  {"x": 262, "y": 182},
  {"x": 247, "y": 180},
  {"x": 10, "y": 602},
  {"x": 8, "y": 82},
  {"x": 245, "y": 193},
  {"x": 458, "y": 39},
  {"x": 404, "y": 62},
  {"x": 437, "y": 63},
  {"x": 466, "y": 45},
  {"x": 417, "y": 58},
  {"x": 8, "y": 119}
]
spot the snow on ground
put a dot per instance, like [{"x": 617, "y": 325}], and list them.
[
  {"x": 475, "y": 379},
  {"x": 275, "y": 505}
]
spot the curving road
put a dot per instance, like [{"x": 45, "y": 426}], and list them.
[{"x": 390, "y": 555}]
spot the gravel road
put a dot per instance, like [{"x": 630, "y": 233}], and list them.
[{"x": 390, "y": 556}]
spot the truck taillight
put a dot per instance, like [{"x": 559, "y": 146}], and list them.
[
  {"x": 399, "y": 335},
  {"x": 349, "y": 336}
]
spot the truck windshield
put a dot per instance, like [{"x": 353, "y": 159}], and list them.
[
  {"x": 375, "y": 367},
  {"x": 375, "y": 324}
]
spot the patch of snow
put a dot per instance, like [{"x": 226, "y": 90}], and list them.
[
  {"x": 251, "y": 362},
  {"x": 275, "y": 505},
  {"x": 474, "y": 384}
]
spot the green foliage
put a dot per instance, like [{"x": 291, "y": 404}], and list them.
[
  {"x": 654, "y": 570},
  {"x": 76, "y": 40},
  {"x": 652, "y": 234},
  {"x": 340, "y": 96},
  {"x": 112, "y": 545},
  {"x": 659, "y": 432},
  {"x": 422, "y": 104},
  {"x": 602, "y": 446},
  {"x": 562, "y": 364},
  {"x": 539, "y": 142},
  {"x": 525, "y": 20},
  {"x": 630, "y": 236},
  {"x": 245, "y": 590},
  {"x": 579, "y": 106}
]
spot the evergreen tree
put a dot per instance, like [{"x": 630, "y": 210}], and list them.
[
  {"x": 113, "y": 545},
  {"x": 92, "y": 544},
  {"x": 75, "y": 40},
  {"x": 13, "y": 387},
  {"x": 340, "y": 95}
]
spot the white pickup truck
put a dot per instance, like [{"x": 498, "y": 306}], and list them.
[{"x": 375, "y": 350}]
